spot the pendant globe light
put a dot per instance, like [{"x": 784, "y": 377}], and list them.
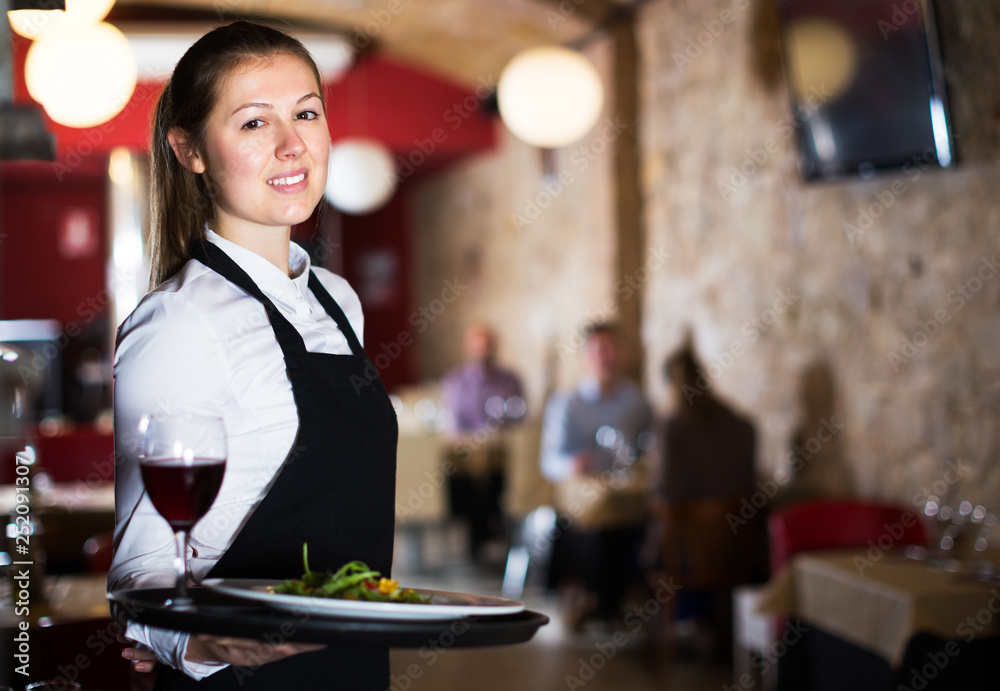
[
  {"x": 550, "y": 96},
  {"x": 83, "y": 75},
  {"x": 361, "y": 175}
]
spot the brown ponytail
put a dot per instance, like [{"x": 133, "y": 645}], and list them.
[{"x": 180, "y": 200}]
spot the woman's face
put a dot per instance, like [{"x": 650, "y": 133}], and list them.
[{"x": 266, "y": 146}]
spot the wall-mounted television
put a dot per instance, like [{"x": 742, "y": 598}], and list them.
[{"x": 867, "y": 86}]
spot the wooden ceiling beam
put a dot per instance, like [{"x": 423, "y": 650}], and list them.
[
  {"x": 627, "y": 193},
  {"x": 595, "y": 11}
]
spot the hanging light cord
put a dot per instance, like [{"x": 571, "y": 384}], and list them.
[{"x": 619, "y": 13}]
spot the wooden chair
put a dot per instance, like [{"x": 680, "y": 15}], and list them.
[
  {"x": 703, "y": 548},
  {"x": 83, "y": 454}
]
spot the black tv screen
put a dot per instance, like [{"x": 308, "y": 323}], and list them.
[{"x": 867, "y": 86}]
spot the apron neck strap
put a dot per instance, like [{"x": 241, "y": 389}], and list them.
[
  {"x": 216, "y": 259},
  {"x": 334, "y": 310}
]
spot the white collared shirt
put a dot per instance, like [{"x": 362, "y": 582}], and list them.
[{"x": 199, "y": 344}]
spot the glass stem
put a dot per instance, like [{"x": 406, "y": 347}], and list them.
[{"x": 181, "y": 564}]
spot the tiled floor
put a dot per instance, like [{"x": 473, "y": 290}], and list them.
[
  {"x": 553, "y": 660},
  {"x": 595, "y": 660}
]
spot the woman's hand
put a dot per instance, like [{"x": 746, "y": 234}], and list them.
[
  {"x": 242, "y": 652},
  {"x": 142, "y": 659}
]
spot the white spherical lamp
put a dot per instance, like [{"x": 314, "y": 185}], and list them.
[
  {"x": 34, "y": 23},
  {"x": 550, "y": 97},
  {"x": 361, "y": 175},
  {"x": 82, "y": 75}
]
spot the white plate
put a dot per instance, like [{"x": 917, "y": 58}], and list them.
[{"x": 443, "y": 605}]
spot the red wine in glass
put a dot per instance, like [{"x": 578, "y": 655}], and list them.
[
  {"x": 183, "y": 491},
  {"x": 183, "y": 460}
]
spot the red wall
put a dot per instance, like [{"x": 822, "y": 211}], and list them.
[
  {"x": 416, "y": 114},
  {"x": 37, "y": 281},
  {"x": 388, "y": 333},
  {"x": 409, "y": 110},
  {"x": 427, "y": 122}
]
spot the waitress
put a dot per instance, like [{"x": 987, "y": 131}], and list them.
[{"x": 240, "y": 326}]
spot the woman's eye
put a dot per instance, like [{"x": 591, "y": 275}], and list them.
[
  {"x": 254, "y": 124},
  {"x": 308, "y": 115}
]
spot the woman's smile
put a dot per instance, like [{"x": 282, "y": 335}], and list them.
[{"x": 291, "y": 182}]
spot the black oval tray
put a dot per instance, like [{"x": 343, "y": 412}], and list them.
[{"x": 223, "y": 615}]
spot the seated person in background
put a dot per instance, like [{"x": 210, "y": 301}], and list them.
[
  {"x": 603, "y": 559},
  {"x": 706, "y": 449},
  {"x": 467, "y": 389},
  {"x": 479, "y": 396}
]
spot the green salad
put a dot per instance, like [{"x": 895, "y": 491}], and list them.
[{"x": 353, "y": 581}]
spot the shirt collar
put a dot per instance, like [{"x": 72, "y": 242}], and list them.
[
  {"x": 590, "y": 390},
  {"x": 269, "y": 278},
  {"x": 476, "y": 368}
]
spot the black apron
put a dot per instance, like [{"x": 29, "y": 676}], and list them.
[{"x": 335, "y": 491}]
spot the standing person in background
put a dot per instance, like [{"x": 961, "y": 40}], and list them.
[
  {"x": 707, "y": 458},
  {"x": 240, "y": 326},
  {"x": 603, "y": 559},
  {"x": 706, "y": 449},
  {"x": 481, "y": 397}
]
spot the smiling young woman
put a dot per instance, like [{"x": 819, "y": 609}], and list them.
[{"x": 240, "y": 325}]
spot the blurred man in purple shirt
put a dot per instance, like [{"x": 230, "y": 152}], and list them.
[
  {"x": 478, "y": 392},
  {"x": 480, "y": 396}
]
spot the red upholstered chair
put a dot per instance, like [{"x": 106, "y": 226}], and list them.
[
  {"x": 84, "y": 454},
  {"x": 838, "y": 524}
]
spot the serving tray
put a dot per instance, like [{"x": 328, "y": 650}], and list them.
[{"x": 223, "y": 615}]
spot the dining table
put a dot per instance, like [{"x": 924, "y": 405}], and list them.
[{"x": 896, "y": 619}]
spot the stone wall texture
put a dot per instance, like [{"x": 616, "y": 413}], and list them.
[{"x": 884, "y": 342}]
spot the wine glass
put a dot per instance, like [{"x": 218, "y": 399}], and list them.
[
  {"x": 183, "y": 459},
  {"x": 514, "y": 408}
]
